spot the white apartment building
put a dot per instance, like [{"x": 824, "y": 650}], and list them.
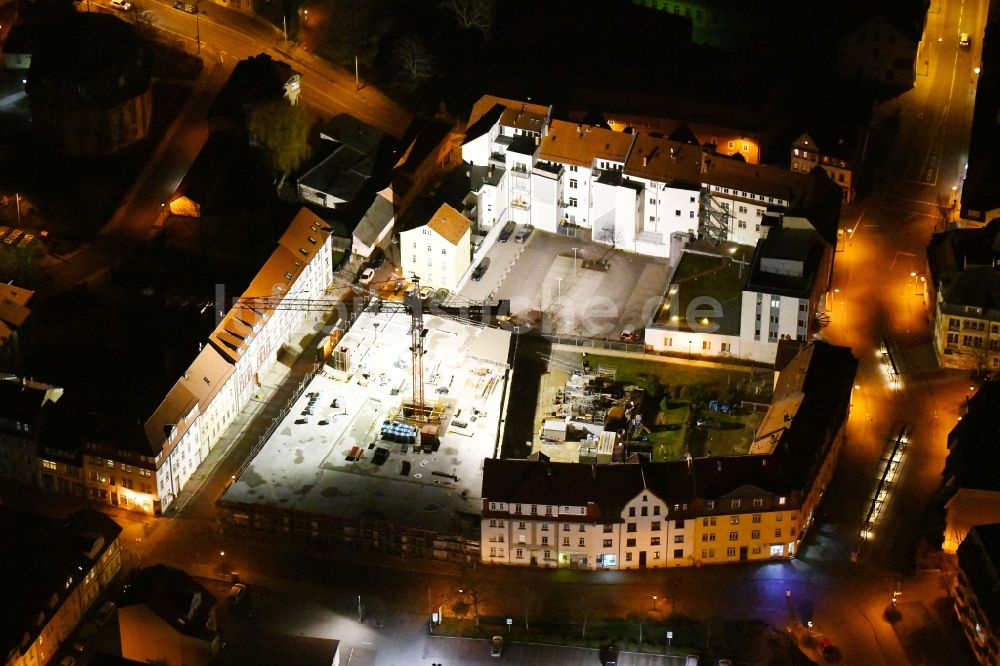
[
  {"x": 632, "y": 191},
  {"x": 204, "y": 401},
  {"x": 756, "y": 297},
  {"x": 439, "y": 252}
]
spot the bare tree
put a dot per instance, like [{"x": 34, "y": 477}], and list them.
[
  {"x": 415, "y": 62},
  {"x": 473, "y": 14}
]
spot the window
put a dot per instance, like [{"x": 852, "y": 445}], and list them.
[
  {"x": 734, "y": 536},
  {"x": 573, "y": 168},
  {"x": 545, "y": 527},
  {"x": 631, "y": 512},
  {"x": 706, "y": 345},
  {"x": 678, "y": 538},
  {"x": 493, "y": 523},
  {"x": 656, "y": 510},
  {"x": 779, "y": 517},
  {"x": 755, "y": 534},
  {"x": 572, "y": 202},
  {"x": 742, "y": 209},
  {"x": 630, "y": 543},
  {"x": 111, "y": 464},
  {"x": 708, "y": 522},
  {"x": 756, "y": 518},
  {"x": 519, "y": 553},
  {"x": 48, "y": 464},
  {"x": 735, "y": 504},
  {"x": 572, "y": 183},
  {"x": 791, "y": 531},
  {"x": 565, "y": 541},
  {"x": 757, "y": 501},
  {"x": 679, "y": 523},
  {"x": 548, "y": 555},
  {"x": 654, "y": 541},
  {"x": 710, "y": 504},
  {"x": 654, "y": 526},
  {"x": 781, "y": 501},
  {"x": 534, "y": 509},
  {"x": 734, "y": 520},
  {"x": 607, "y": 543},
  {"x": 520, "y": 525},
  {"x": 581, "y": 542},
  {"x": 678, "y": 553},
  {"x": 545, "y": 541},
  {"x": 608, "y": 529},
  {"x": 630, "y": 527},
  {"x": 708, "y": 536},
  {"x": 777, "y": 533},
  {"x": 645, "y": 511},
  {"x": 628, "y": 557}
]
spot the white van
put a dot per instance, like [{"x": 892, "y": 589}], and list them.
[{"x": 121, "y": 5}]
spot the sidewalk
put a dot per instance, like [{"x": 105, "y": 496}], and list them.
[{"x": 277, "y": 387}]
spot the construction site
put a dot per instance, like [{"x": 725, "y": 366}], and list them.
[{"x": 384, "y": 448}]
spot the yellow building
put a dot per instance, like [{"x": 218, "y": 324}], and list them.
[
  {"x": 56, "y": 572},
  {"x": 687, "y": 513}
]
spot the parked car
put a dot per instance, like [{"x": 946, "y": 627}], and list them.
[
  {"x": 425, "y": 293},
  {"x": 523, "y": 233},
  {"x": 189, "y": 7},
  {"x": 83, "y": 637},
  {"x": 964, "y": 40},
  {"x": 12, "y": 238},
  {"x": 121, "y": 5},
  {"x": 105, "y": 613},
  {"x": 236, "y": 593},
  {"x": 691, "y": 660},
  {"x": 367, "y": 276},
  {"x": 480, "y": 270},
  {"x": 26, "y": 240},
  {"x": 826, "y": 647},
  {"x": 507, "y": 232},
  {"x": 629, "y": 334},
  {"x": 496, "y": 646},
  {"x": 377, "y": 258}
]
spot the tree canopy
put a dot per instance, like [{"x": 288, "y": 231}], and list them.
[{"x": 283, "y": 131}]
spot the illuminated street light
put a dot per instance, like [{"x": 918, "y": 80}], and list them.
[
  {"x": 976, "y": 70},
  {"x": 654, "y": 603}
]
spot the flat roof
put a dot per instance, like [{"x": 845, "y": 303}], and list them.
[
  {"x": 713, "y": 271},
  {"x": 304, "y": 465}
]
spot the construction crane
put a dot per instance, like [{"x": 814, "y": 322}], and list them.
[{"x": 410, "y": 305}]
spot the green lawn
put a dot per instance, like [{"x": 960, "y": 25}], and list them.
[{"x": 669, "y": 444}]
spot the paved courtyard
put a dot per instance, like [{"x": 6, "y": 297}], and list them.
[
  {"x": 306, "y": 464},
  {"x": 541, "y": 276}
]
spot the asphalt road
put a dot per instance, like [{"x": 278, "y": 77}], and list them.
[
  {"x": 226, "y": 36},
  {"x": 877, "y": 298}
]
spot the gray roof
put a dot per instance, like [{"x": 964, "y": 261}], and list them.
[{"x": 379, "y": 215}]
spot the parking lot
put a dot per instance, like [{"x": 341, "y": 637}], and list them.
[{"x": 548, "y": 288}]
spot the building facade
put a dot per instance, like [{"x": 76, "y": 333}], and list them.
[
  {"x": 686, "y": 513},
  {"x": 977, "y": 591},
  {"x": 58, "y": 570},
  {"x": 440, "y": 251},
  {"x": 628, "y": 190},
  {"x": 963, "y": 278},
  {"x": 834, "y": 159}
]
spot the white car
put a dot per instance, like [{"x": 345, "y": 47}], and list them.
[
  {"x": 121, "y": 5},
  {"x": 367, "y": 276}
]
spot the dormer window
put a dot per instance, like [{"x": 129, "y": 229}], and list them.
[
  {"x": 288, "y": 275},
  {"x": 312, "y": 240},
  {"x": 303, "y": 252}
]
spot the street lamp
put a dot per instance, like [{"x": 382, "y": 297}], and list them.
[{"x": 654, "y": 603}]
